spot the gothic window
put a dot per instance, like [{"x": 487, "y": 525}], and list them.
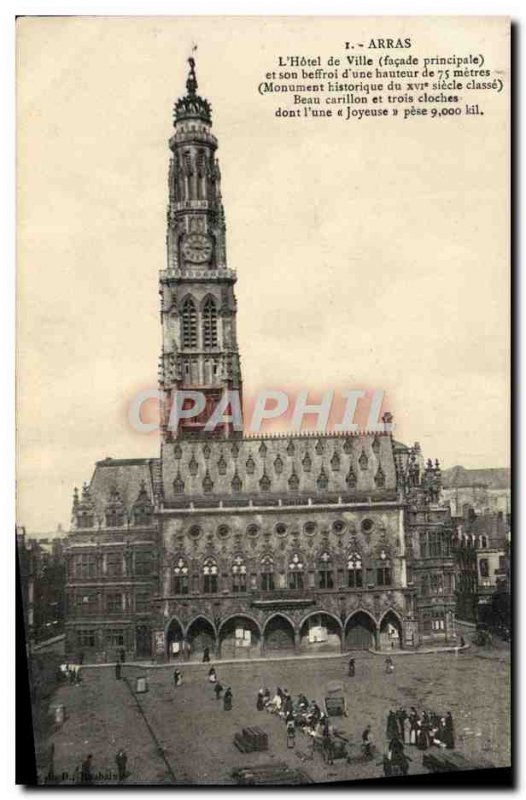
[
  {"x": 223, "y": 531},
  {"x": 143, "y": 563},
  {"x": 264, "y": 483},
  {"x": 210, "y": 576},
  {"x": 181, "y": 577},
  {"x": 239, "y": 575},
  {"x": 325, "y": 572},
  {"x": 208, "y": 483},
  {"x": 206, "y": 451},
  {"x": 338, "y": 526},
  {"x": 294, "y": 482},
  {"x": 379, "y": 478},
  {"x": 189, "y": 323},
  {"x": 235, "y": 450},
  {"x": 350, "y": 479},
  {"x": 310, "y": 528},
  {"x": 236, "y": 483},
  {"x": 363, "y": 461},
  {"x": 354, "y": 571},
  {"x": 290, "y": 448},
  {"x": 262, "y": 449},
  {"x": 319, "y": 447},
  {"x": 221, "y": 465},
  {"x": 85, "y": 519},
  {"x": 86, "y": 637},
  {"x": 84, "y": 566},
  {"x": 252, "y": 531},
  {"x": 296, "y": 571},
  {"x": 114, "y": 565},
  {"x": 209, "y": 323},
  {"x": 322, "y": 481},
  {"x": 114, "y": 518},
  {"x": 113, "y": 603},
  {"x": 484, "y": 568},
  {"x": 193, "y": 466},
  {"x": 278, "y": 464},
  {"x": 281, "y": 529},
  {"x": 267, "y": 574},
  {"x": 178, "y": 485},
  {"x": 250, "y": 466},
  {"x": 430, "y": 544},
  {"x": 376, "y": 445},
  {"x": 383, "y": 570},
  {"x": 335, "y": 461},
  {"x": 307, "y": 462},
  {"x": 436, "y": 583},
  {"x": 177, "y": 452},
  {"x": 483, "y": 542},
  {"x": 347, "y": 447},
  {"x": 187, "y": 161}
]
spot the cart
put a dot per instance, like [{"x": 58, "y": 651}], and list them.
[{"x": 335, "y": 702}]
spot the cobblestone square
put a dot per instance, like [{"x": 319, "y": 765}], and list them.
[{"x": 196, "y": 735}]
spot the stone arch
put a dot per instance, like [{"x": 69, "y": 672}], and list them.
[
  {"x": 240, "y": 636},
  {"x": 279, "y": 634},
  {"x": 361, "y": 630},
  {"x": 320, "y": 632},
  {"x": 201, "y": 633},
  {"x": 390, "y": 630},
  {"x": 174, "y": 635}
]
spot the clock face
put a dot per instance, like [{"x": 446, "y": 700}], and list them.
[{"x": 197, "y": 248}]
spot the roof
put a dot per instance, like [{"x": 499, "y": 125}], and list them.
[{"x": 126, "y": 475}]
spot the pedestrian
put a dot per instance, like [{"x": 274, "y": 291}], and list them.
[
  {"x": 389, "y": 667},
  {"x": 118, "y": 668},
  {"x": 178, "y": 677},
  {"x": 120, "y": 759},
  {"x": 351, "y": 668},
  {"x": 206, "y": 655},
  {"x": 449, "y": 736},
  {"x": 367, "y": 742},
  {"x": 291, "y": 732},
  {"x": 227, "y": 700},
  {"x": 260, "y": 703},
  {"x": 288, "y": 706},
  {"x": 122, "y": 655},
  {"x": 86, "y": 774},
  {"x": 218, "y": 689},
  {"x": 392, "y": 727},
  {"x": 462, "y": 641},
  {"x": 81, "y": 658},
  {"x": 212, "y": 675}
]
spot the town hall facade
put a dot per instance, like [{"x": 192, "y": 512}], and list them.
[{"x": 248, "y": 546}]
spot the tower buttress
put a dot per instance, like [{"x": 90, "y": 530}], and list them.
[{"x": 198, "y": 305}]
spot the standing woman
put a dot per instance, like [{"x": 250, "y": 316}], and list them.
[
  {"x": 227, "y": 700},
  {"x": 449, "y": 732},
  {"x": 351, "y": 668}
]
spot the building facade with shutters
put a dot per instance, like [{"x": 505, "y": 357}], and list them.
[{"x": 248, "y": 546}]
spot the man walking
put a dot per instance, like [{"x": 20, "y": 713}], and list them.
[
  {"x": 120, "y": 759},
  {"x": 86, "y": 775}
]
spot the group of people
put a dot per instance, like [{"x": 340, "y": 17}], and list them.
[
  {"x": 421, "y": 730},
  {"x": 302, "y": 714}
]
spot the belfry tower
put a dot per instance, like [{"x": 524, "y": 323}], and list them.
[{"x": 198, "y": 306}]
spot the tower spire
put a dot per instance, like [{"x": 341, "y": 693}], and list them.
[{"x": 191, "y": 81}]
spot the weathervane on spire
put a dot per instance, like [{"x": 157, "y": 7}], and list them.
[{"x": 191, "y": 83}]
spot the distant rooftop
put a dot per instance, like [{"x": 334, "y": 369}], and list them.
[{"x": 460, "y": 477}]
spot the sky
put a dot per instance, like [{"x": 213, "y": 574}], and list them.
[{"x": 370, "y": 254}]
